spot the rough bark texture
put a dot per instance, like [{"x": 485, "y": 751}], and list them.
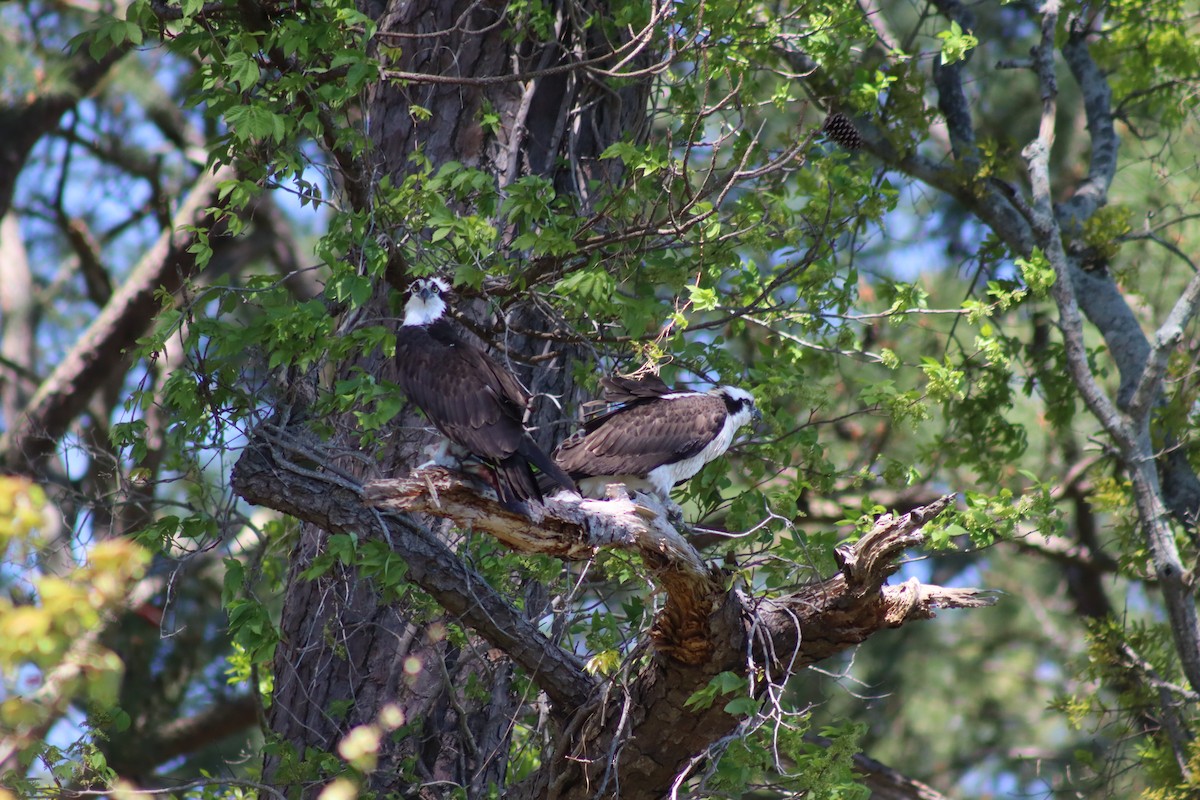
[
  {"x": 342, "y": 644},
  {"x": 641, "y": 742},
  {"x": 375, "y": 642}
]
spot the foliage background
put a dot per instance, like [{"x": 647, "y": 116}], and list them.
[{"x": 903, "y": 334}]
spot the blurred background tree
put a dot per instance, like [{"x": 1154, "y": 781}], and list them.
[{"x": 884, "y": 219}]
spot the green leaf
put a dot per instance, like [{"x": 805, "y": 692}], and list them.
[
  {"x": 956, "y": 43},
  {"x": 702, "y": 299},
  {"x": 742, "y": 706}
]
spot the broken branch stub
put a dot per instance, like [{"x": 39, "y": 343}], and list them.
[{"x": 819, "y": 620}]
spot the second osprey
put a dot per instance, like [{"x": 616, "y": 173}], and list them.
[
  {"x": 476, "y": 404},
  {"x": 657, "y": 438}
]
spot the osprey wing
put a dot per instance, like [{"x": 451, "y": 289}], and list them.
[
  {"x": 639, "y": 437},
  {"x": 473, "y": 401}
]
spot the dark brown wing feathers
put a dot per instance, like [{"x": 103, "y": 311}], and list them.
[
  {"x": 469, "y": 402},
  {"x": 474, "y": 402},
  {"x": 642, "y": 435}
]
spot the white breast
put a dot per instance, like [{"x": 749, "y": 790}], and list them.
[{"x": 668, "y": 475}]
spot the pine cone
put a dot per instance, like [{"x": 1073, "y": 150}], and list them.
[{"x": 841, "y": 130}]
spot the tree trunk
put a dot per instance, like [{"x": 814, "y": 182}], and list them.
[{"x": 344, "y": 650}]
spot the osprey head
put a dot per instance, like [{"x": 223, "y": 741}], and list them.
[
  {"x": 739, "y": 403},
  {"x": 425, "y": 303}
]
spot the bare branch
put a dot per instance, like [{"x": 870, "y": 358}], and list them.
[
  {"x": 573, "y": 528},
  {"x": 1097, "y": 105},
  {"x": 262, "y": 476},
  {"x": 106, "y": 343},
  {"x": 1098, "y": 295},
  {"x": 1166, "y": 339},
  {"x": 644, "y": 735},
  {"x": 1132, "y": 437},
  {"x": 825, "y": 618},
  {"x": 566, "y": 526},
  {"x": 821, "y": 620},
  {"x": 1037, "y": 157}
]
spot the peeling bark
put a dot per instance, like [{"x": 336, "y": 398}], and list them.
[{"x": 640, "y": 740}]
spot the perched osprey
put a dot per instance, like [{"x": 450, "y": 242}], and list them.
[
  {"x": 657, "y": 438},
  {"x": 475, "y": 403}
]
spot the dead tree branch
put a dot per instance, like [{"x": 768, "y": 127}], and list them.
[
  {"x": 575, "y": 529},
  {"x": 705, "y": 628},
  {"x": 107, "y": 342},
  {"x": 265, "y": 476},
  {"x": 637, "y": 737}
]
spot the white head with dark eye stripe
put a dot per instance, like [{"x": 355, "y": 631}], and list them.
[
  {"x": 739, "y": 403},
  {"x": 425, "y": 304}
]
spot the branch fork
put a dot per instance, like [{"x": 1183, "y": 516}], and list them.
[
  {"x": 853, "y": 604},
  {"x": 575, "y": 529},
  {"x": 706, "y": 626}
]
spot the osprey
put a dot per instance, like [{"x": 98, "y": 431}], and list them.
[
  {"x": 475, "y": 403},
  {"x": 657, "y": 438}
]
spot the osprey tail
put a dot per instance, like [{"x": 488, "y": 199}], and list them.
[
  {"x": 619, "y": 389},
  {"x": 515, "y": 477}
]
